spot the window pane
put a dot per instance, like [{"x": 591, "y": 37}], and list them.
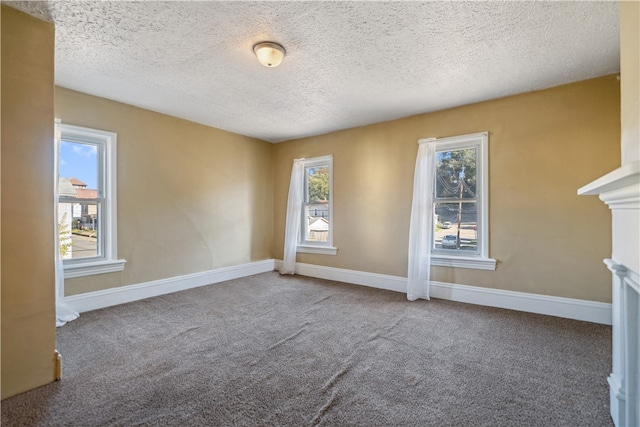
[
  {"x": 317, "y": 222},
  {"x": 78, "y": 228},
  {"x": 317, "y": 180},
  {"x": 316, "y": 210},
  {"x": 78, "y": 221},
  {"x": 456, "y": 174},
  {"x": 79, "y": 163},
  {"x": 456, "y": 226}
]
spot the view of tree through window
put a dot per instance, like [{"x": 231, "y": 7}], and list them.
[
  {"x": 317, "y": 203},
  {"x": 318, "y": 182},
  {"x": 456, "y": 215},
  {"x": 451, "y": 166}
]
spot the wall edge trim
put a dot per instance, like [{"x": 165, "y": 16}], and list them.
[
  {"x": 568, "y": 308},
  {"x": 114, "y": 296}
]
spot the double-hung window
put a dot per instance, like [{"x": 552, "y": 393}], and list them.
[
  {"x": 317, "y": 211},
  {"x": 87, "y": 222},
  {"x": 460, "y": 203}
]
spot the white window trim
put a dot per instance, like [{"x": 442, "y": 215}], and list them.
[
  {"x": 481, "y": 260},
  {"x": 108, "y": 262},
  {"x": 93, "y": 267},
  {"x": 323, "y": 248},
  {"x": 476, "y": 262}
]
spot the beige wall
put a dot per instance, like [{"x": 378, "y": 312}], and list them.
[
  {"x": 28, "y": 314},
  {"x": 191, "y": 198},
  {"x": 543, "y": 146},
  {"x": 630, "y": 77}
]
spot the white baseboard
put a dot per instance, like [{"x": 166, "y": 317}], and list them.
[
  {"x": 590, "y": 311},
  {"x": 114, "y": 296},
  {"x": 570, "y": 308}
]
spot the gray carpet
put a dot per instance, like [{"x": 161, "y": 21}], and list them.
[{"x": 295, "y": 351}]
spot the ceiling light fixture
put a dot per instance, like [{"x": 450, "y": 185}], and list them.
[{"x": 269, "y": 54}]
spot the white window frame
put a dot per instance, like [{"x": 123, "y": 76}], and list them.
[
  {"x": 311, "y": 247},
  {"x": 480, "y": 260},
  {"x": 107, "y": 260}
]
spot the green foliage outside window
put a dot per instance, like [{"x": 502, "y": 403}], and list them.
[
  {"x": 64, "y": 236},
  {"x": 318, "y": 184},
  {"x": 456, "y": 173}
]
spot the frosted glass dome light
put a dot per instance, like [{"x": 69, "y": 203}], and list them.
[{"x": 269, "y": 54}]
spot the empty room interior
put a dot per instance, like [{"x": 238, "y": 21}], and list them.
[{"x": 320, "y": 213}]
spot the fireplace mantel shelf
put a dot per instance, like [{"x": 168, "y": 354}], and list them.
[
  {"x": 625, "y": 176},
  {"x": 619, "y": 189}
]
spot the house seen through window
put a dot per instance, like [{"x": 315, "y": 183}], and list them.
[
  {"x": 317, "y": 221},
  {"x": 317, "y": 204},
  {"x": 79, "y": 205},
  {"x": 87, "y": 201},
  {"x": 78, "y": 219}
]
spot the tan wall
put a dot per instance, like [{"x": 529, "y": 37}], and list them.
[
  {"x": 630, "y": 77},
  {"x": 28, "y": 313},
  {"x": 543, "y": 146},
  {"x": 191, "y": 198}
]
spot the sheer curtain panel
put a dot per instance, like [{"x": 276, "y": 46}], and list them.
[
  {"x": 64, "y": 313},
  {"x": 421, "y": 225},
  {"x": 294, "y": 212}
]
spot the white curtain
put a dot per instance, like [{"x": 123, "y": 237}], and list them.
[
  {"x": 294, "y": 220},
  {"x": 421, "y": 225},
  {"x": 64, "y": 313}
]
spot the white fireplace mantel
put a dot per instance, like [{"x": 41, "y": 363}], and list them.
[{"x": 620, "y": 190}]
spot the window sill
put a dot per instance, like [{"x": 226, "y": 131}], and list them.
[
  {"x": 95, "y": 267},
  {"x": 463, "y": 262},
  {"x": 323, "y": 250}
]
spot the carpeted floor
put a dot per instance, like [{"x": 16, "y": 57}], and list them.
[{"x": 295, "y": 351}]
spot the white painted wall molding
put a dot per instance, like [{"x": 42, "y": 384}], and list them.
[
  {"x": 114, "y": 296},
  {"x": 372, "y": 280},
  {"x": 620, "y": 190},
  {"x": 570, "y": 308},
  {"x": 589, "y": 311},
  {"x": 624, "y": 380}
]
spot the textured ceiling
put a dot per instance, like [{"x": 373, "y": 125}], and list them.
[{"x": 347, "y": 63}]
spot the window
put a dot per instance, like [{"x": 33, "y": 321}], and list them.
[
  {"x": 87, "y": 201},
  {"x": 460, "y": 205},
  {"x": 317, "y": 213}
]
